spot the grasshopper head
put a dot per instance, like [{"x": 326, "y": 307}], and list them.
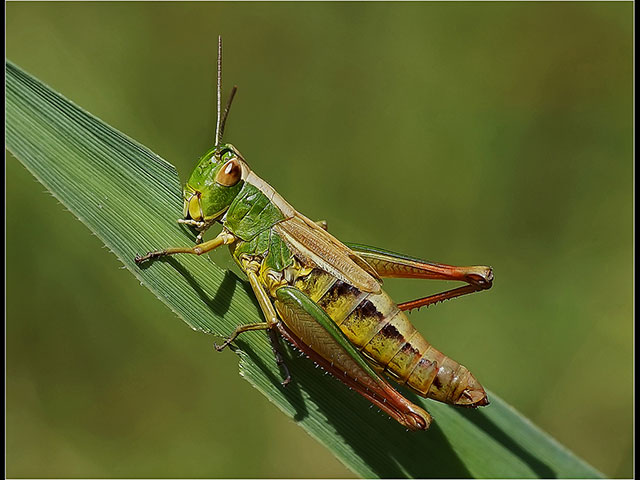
[
  {"x": 219, "y": 174},
  {"x": 213, "y": 184}
]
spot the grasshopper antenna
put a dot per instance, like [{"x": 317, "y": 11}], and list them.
[
  {"x": 226, "y": 111},
  {"x": 218, "y": 92},
  {"x": 221, "y": 122}
]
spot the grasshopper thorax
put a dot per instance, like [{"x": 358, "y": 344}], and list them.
[{"x": 213, "y": 185}]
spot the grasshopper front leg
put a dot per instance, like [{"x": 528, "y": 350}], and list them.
[
  {"x": 226, "y": 238},
  {"x": 394, "y": 265},
  {"x": 223, "y": 238}
]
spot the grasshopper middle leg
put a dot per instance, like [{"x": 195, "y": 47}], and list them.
[
  {"x": 270, "y": 324},
  {"x": 249, "y": 327}
]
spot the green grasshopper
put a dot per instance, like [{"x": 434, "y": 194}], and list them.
[{"x": 324, "y": 296}]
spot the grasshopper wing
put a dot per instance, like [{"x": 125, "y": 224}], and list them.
[
  {"x": 312, "y": 331},
  {"x": 317, "y": 247}
]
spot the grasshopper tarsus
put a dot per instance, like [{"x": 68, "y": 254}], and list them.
[
  {"x": 148, "y": 256},
  {"x": 222, "y": 346},
  {"x": 141, "y": 258}
]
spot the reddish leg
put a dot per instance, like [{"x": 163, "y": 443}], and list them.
[{"x": 393, "y": 265}]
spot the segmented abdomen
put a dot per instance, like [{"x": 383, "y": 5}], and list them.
[{"x": 384, "y": 334}]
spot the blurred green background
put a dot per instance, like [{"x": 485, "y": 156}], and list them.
[{"x": 484, "y": 133}]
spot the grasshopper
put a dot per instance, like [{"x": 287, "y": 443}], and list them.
[{"x": 324, "y": 296}]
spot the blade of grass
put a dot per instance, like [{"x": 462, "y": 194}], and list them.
[{"x": 130, "y": 198}]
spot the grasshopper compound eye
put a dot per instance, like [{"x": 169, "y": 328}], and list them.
[{"x": 230, "y": 173}]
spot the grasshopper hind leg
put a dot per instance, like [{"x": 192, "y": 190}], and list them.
[
  {"x": 306, "y": 326},
  {"x": 394, "y": 265}
]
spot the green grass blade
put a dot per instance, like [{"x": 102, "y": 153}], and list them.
[{"x": 130, "y": 198}]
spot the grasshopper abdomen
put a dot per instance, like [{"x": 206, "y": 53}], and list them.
[{"x": 384, "y": 334}]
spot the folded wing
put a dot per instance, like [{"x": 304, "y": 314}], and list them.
[{"x": 316, "y": 247}]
